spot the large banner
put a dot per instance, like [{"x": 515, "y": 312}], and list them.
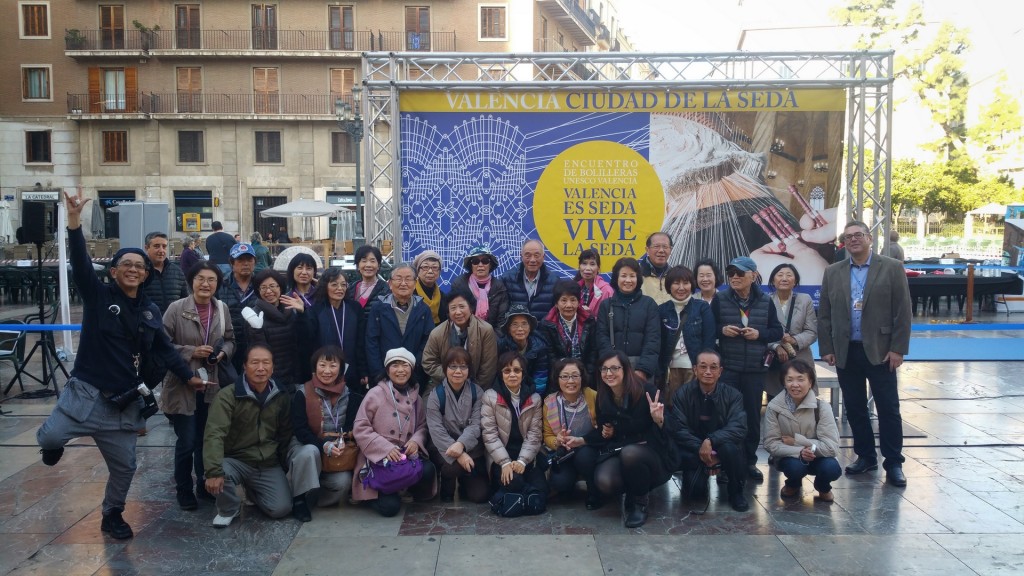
[{"x": 724, "y": 172}]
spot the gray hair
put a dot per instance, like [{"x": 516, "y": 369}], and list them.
[
  {"x": 403, "y": 266},
  {"x": 256, "y": 237}
]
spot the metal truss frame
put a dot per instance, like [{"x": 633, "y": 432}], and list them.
[{"x": 867, "y": 77}]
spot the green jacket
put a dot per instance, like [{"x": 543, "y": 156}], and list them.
[
  {"x": 238, "y": 427},
  {"x": 263, "y": 258}
]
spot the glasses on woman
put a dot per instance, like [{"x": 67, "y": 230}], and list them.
[
  {"x": 270, "y": 288},
  {"x": 479, "y": 261},
  {"x": 511, "y": 370},
  {"x": 570, "y": 377},
  {"x": 458, "y": 367},
  {"x": 611, "y": 369}
]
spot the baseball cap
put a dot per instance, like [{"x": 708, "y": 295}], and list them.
[
  {"x": 744, "y": 263},
  {"x": 241, "y": 249}
]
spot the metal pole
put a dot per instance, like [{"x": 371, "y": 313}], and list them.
[{"x": 970, "y": 294}]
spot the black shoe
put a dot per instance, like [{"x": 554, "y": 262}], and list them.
[
  {"x": 300, "y": 510},
  {"x": 115, "y": 526},
  {"x": 862, "y": 465},
  {"x": 51, "y": 457},
  {"x": 722, "y": 478},
  {"x": 202, "y": 494},
  {"x": 594, "y": 500},
  {"x": 738, "y": 502},
  {"x": 187, "y": 500},
  {"x": 755, "y": 473},
  {"x": 628, "y": 505},
  {"x": 637, "y": 517},
  {"x": 447, "y": 498},
  {"x": 894, "y": 475}
]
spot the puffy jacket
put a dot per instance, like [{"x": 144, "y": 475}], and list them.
[
  {"x": 697, "y": 330},
  {"x": 236, "y": 299},
  {"x": 497, "y": 297},
  {"x": 551, "y": 331},
  {"x": 183, "y": 326},
  {"x": 284, "y": 332},
  {"x": 543, "y": 299},
  {"x": 654, "y": 280},
  {"x": 634, "y": 318},
  {"x": 683, "y": 419},
  {"x": 537, "y": 355},
  {"x": 383, "y": 333},
  {"x": 738, "y": 353},
  {"x": 381, "y": 288},
  {"x": 496, "y": 426},
  {"x": 239, "y": 428},
  {"x": 803, "y": 426},
  {"x": 165, "y": 287}
]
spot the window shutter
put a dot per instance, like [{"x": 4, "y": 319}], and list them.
[
  {"x": 131, "y": 89},
  {"x": 94, "y": 90}
]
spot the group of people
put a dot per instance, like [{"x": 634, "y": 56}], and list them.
[{"x": 508, "y": 389}]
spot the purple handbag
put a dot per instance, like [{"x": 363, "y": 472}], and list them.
[{"x": 391, "y": 477}]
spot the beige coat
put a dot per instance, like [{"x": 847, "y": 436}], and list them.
[
  {"x": 496, "y": 425},
  {"x": 481, "y": 345},
  {"x": 803, "y": 328},
  {"x": 779, "y": 422},
  {"x": 181, "y": 321}
]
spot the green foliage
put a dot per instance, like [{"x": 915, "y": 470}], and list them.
[{"x": 999, "y": 123}]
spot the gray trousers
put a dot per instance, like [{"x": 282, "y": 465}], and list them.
[
  {"x": 83, "y": 411},
  {"x": 267, "y": 487},
  {"x": 305, "y": 465}
]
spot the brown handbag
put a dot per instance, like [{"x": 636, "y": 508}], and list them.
[{"x": 347, "y": 461}]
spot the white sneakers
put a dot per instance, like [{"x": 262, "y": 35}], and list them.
[{"x": 222, "y": 521}]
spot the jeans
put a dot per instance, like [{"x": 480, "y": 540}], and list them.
[
  {"x": 824, "y": 469},
  {"x": 887, "y": 404}
]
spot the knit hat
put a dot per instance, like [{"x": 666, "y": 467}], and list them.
[
  {"x": 477, "y": 251},
  {"x": 423, "y": 257},
  {"x": 399, "y": 355}
]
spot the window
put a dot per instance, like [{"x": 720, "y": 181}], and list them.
[
  {"x": 186, "y": 26},
  {"x": 190, "y": 146},
  {"x": 37, "y": 147},
  {"x": 112, "y": 27},
  {"x": 265, "y": 85},
  {"x": 342, "y": 150},
  {"x": 190, "y": 202},
  {"x": 268, "y": 147},
  {"x": 35, "y": 82},
  {"x": 264, "y": 27},
  {"x": 115, "y": 147},
  {"x": 190, "y": 90},
  {"x": 492, "y": 23},
  {"x": 35, "y": 19},
  {"x": 417, "y": 28},
  {"x": 341, "y": 83},
  {"x": 113, "y": 90},
  {"x": 342, "y": 27}
]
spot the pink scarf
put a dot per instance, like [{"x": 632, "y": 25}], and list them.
[{"x": 480, "y": 293}]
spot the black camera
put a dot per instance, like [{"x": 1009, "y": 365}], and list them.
[
  {"x": 125, "y": 399},
  {"x": 218, "y": 347}
]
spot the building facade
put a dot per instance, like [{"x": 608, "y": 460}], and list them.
[{"x": 224, "y": 108}]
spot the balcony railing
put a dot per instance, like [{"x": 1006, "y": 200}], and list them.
[
  {"x": 267, "y": 39},
  {"x": 193, "y": 103},
  {"x": 549, "y": 45},
  {"x": 579, "y": 15}
]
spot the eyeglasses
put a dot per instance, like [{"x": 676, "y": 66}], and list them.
[
  {"x": 479, "y": 261},
  {"x": 458, "y": 367},
  {"x": 203, "y": 281},
  {"x": 735, "y": 272},
  {"x": 140, "y": 266},
  {"x": 269, "y": 288},
  {"x": 430, "y": 267},
  {"x": 403, "y": 280},
  {"x": 660, "y": 247},
  {"x": 857, "y": 236},
  {"x": 511, "y": 370},
  {"x": 570, "y": 377},
  {"x": 611, "y": 369}
]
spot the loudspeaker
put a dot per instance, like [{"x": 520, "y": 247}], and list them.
[{"x": 33, "y": 223}]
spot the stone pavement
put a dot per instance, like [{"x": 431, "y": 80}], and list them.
[{"x": 962, "y": 512}]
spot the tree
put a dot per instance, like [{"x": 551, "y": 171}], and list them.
[{"x": 997, "y": 129}]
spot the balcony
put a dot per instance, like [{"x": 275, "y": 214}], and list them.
[
  {"x": 190, "y": 105},
  {"x": 571, "y": 16},
  {"x": 188, "y": 43},
  {"x": 548, "y": 45}
]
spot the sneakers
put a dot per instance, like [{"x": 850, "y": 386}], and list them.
[
  {"x": 738, "y": 502},
  {"x": 114, "y": 526},
  {"x": 51, "y": 457},
  {"x": 222, "y": 520},
  {"x": 187, "y": 500}
]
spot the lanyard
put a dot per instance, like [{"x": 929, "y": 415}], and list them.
[
  {"x": 334, "y": 316},
  {"x": 565, "y": 415},
  {"x": 330, "y": 414}
]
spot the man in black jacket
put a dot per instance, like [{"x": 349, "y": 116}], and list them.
[
  {"x": 531, "y": 283},
  {"x": 218, "y": 246},
  {"x": 121, "y": 330},
  {"x": 166, "y": 280},
  {"x": 708, "y": 425}
]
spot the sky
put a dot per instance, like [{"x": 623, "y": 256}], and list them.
[{"x": 701, "y": 26}]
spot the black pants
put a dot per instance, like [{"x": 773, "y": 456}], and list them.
[
  {"x": 532, "y": 476},
  {"x": 887, "y": 405},
  {"x": 390, "y": 504},
  {"x": 474, "y": 484},
  {"x": 751, "y": 386},
  {"x": 733, "y": 461},
  {"x": 188, "y": 447},
  {"x": 635, "y": 470},
  {"x": 563, "y": 476}
]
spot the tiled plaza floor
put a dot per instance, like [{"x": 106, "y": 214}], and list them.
[{"x": 962, "y": 512}]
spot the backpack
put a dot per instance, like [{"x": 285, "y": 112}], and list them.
[{"x": 441, "y": 396}]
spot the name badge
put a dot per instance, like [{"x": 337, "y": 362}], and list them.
[{"x": 858, "y": 304}]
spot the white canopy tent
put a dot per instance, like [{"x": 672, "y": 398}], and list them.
[
  {"x": 988, "y": 210},
  {"x": 305, "y": 209}
]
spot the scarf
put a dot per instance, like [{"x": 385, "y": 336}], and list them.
[
  {"x": 456, "y": 337},
  {"x": 569, "y": 335},
  {"x": 480, "y": 293},
  {"x": 434, "y": 301},
  {"x": 316, "y": 393}
]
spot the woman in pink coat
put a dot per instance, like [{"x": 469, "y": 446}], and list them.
[
  {"x": 381, "y": 435},
  {"x": 593, "y": 288}
]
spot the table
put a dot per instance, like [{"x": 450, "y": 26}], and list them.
[{"x": 955, "y": 285}]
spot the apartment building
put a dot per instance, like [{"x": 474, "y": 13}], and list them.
[{"x": 222, "y": 108}]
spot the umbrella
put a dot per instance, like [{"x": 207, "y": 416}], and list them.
[
  {"x": 6, "y": 228},
  {"x": 99, "y": 222},
  {"x": 990, "y": 209},
  {"x": 301, "y": 209}
]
